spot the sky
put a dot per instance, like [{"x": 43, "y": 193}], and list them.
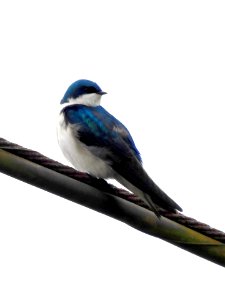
[{"x": 163, "y": 66}]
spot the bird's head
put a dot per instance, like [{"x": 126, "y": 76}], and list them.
[{"x": 84, "y": 92}]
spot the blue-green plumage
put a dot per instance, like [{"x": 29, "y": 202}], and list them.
[
  {"x": 96, "y": 142},
  {"x": 97, "y": 127}
]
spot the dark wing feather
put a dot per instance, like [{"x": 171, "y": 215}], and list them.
[{"x": 99, "y": 128}]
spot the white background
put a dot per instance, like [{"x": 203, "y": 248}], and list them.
[{"x": 163, "y": 66}]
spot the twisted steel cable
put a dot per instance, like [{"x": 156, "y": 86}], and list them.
[{"x": 102, "y": 185}]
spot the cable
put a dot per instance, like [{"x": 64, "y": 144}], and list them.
[{"x": 102, "y": 185}]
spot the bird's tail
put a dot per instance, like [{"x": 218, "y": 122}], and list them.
[
  {"x": 157, "y": 196},
  {"x": 145, "y": 197}
]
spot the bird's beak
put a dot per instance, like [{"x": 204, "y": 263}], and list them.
[{"x": 101, "y": 93}]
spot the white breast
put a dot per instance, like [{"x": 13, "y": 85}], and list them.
[{"x": 78, "y": 153}]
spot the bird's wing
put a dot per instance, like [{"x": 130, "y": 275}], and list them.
[{"x": 100, "y": 129}]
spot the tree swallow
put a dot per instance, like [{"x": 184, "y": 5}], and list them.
[{"x": 96, "y": 142}]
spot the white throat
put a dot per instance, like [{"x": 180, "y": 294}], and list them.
[{"x": 87, "y": 99}]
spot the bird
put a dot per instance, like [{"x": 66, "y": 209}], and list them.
[{"x": 95, "y": 142}]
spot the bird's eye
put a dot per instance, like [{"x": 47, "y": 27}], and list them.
[{"x": 89, "y": 89}]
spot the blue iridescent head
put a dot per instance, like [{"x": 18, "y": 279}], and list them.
[{"x": 80, "y": 88}]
